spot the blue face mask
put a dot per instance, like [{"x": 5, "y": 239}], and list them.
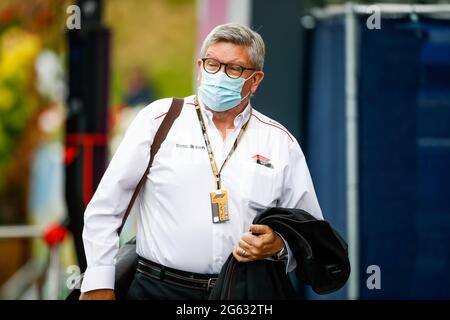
[{"x": 219, "y": 92}]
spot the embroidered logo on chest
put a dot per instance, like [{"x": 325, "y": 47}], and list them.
[{"x": 259, "y": 159}]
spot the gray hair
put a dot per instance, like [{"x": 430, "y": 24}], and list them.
[{"x": 238, "y": 34}]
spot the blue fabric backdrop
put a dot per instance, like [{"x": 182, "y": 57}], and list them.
[{"x": 404, "y": 150}]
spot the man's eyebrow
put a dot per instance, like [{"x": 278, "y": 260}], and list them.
[{"x": 239, "y": 62}]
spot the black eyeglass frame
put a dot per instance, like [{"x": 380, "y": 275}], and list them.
[{"x": 226, "y": 66}]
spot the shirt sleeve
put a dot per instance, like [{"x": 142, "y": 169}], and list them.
[
  {"x": 105, "y": 211},
  {"x": 298, "y": 191},
  {"x": 290, "y": 261}
]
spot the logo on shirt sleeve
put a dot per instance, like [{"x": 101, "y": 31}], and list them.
[{"x": 259, "y": 159}]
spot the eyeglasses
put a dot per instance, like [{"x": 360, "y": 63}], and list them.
[{"x": 233, "y": 71}]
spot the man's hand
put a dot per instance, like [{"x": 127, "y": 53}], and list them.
[
  {"x": 102, "y": 294},
  {"x": 264, "y": 243}
]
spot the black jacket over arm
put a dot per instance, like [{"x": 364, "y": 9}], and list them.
[{"x": 321, "y": 254}]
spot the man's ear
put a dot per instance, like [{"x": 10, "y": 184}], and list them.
[
  {"x": 199, "y": 69},
  {"x": 258, "y": 78}
]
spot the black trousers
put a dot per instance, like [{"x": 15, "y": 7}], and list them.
[{"x": 144, "y": 287}]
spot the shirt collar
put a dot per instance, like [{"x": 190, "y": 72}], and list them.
[{"x": 240, "y": 119}]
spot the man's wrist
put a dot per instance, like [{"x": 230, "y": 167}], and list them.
[{"x": 281, "y": 255}]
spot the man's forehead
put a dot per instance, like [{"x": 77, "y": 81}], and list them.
[{"x": 228, "y": 53}]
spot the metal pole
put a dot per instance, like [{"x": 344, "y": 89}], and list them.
[
  {"x": 388, "y": 8},
  {"x": 21, "y": 231},
  {"x": 351, "y": 93},
  {"x": 438, "y": 10},
  {"x": 53, "y": 273}
]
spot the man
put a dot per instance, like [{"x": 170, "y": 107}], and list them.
[{"x": 218, "y": 147}]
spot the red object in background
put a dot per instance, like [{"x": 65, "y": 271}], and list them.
[
  {"x": 87, "y": 141},
  {"x": 54, "y": 234},
  {"x": 70, "y": 153}
]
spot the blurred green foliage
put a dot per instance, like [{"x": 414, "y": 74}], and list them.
[
  {"x": 18, "y": 51},
  {"x": 158, "y": 37}
]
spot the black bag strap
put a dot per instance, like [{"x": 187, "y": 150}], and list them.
[{"x": 160, "y": 136}]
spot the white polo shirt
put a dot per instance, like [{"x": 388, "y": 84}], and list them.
[{"x": 174, "y": 222}]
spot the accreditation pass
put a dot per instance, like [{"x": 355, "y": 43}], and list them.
[{"x": 219, "y": 206}]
